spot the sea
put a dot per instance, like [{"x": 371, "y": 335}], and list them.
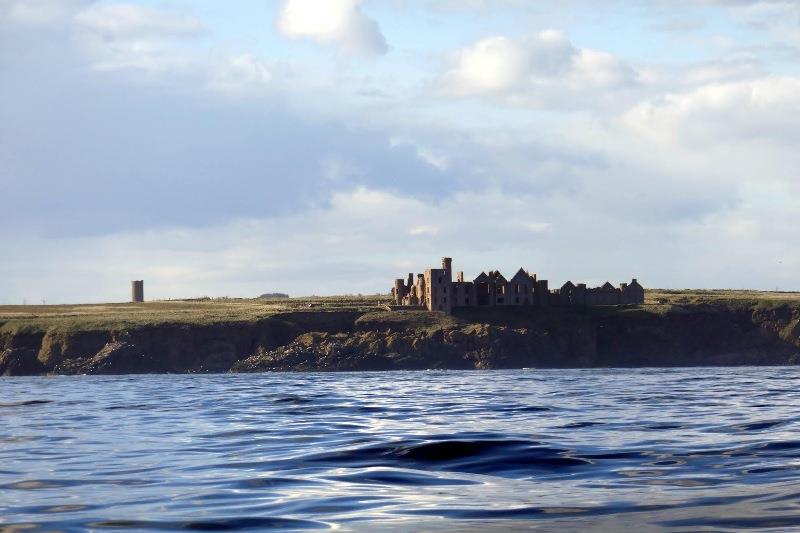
[{"x": 700, "y": 449}]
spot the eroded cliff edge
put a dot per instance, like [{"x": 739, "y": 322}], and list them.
[{"x": 693, "y": 335}]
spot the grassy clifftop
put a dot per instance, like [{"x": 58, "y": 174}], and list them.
[
  {"x": 115, "y": 316},
  {"x": 731, "y": 298}
]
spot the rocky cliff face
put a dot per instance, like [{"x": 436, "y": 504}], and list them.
[{"x": 332, "y": 341}]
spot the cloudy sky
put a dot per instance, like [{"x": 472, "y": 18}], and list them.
[{"x": 327, "y": 146}]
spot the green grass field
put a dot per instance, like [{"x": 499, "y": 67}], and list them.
[
  {"x": 210, "y": 311},
  {"x": 200, "y": 311},
  {"x": 718, "y": 297}
]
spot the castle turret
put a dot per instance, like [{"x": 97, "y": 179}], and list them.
[
  {"x": 398, "y": 292},
  {"x": 447, "y": 267}
]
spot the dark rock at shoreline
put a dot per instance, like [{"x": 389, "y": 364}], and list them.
[
  {"x": 20, "y": 362},
  {"x": 117, "y": 357},
  {"x": 684, "y": 342}
]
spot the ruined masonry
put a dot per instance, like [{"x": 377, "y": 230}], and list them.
[{"x": 435, "y": 290}]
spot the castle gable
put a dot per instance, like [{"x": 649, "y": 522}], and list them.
[{"x": 521, "y": 277}]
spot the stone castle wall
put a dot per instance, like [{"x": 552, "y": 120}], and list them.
[{"x": 435, "y": 290}]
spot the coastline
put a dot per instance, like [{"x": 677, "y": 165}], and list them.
[{"x": 360, "y": 336}]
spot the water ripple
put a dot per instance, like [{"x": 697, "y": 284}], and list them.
[{"x": 710, "y": 449}]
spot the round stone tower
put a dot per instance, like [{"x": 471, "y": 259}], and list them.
[
  {"x": 447, "y": 263},
  {"x": 137, "y": 291}
]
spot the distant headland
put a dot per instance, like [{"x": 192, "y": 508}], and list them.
[{"x": 354, "y": 333}]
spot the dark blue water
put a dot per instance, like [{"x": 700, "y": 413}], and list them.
[{"x": 688, "y": 450}]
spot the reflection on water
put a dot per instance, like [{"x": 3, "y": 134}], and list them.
[{"x": 699, "y": 449}]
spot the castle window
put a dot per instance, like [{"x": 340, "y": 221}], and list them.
[
  {"x": 466, "y": 301},
  {"x": 440, "y": 279}
]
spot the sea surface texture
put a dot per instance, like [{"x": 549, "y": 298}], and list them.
[{"x": 636, "y": 450}]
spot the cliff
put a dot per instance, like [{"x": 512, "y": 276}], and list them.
[{"x": 720, "y": 334}]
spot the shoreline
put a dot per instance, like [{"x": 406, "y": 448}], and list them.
[{"x": 408, "y": 371}]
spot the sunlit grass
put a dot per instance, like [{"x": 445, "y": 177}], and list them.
[
  {"x": 201, "y": 311},
  {"x": 718, "y": 297},
  {"x": 191, "y": 312}
]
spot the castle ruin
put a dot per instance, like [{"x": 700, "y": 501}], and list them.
[{"x": 435, "y": 290}]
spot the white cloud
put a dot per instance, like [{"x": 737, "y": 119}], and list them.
[
  {"x": 129, "y": 20},
  {"x": 775, "y": 19},
  {"x": 341, "y": 23},
  {"x": 38, "y": 13},
  {"x": 159, "y": 46},
  {"x": 247, "y": 257},
  {"x": 540, "y": 71},
  {"x": 538, "y": 227},
  {"x": 241, "y": 72},
  {"x": 130, "y": 37},
  {"x": 432, "y": 156},
  {"x": 757, "y": 110},
  {"x": 423, "y": 230}
]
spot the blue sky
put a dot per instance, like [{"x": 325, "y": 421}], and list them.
[{"x": 235, "y": 148}]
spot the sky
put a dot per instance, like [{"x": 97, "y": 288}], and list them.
[{"x": 233, "y": 148}]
